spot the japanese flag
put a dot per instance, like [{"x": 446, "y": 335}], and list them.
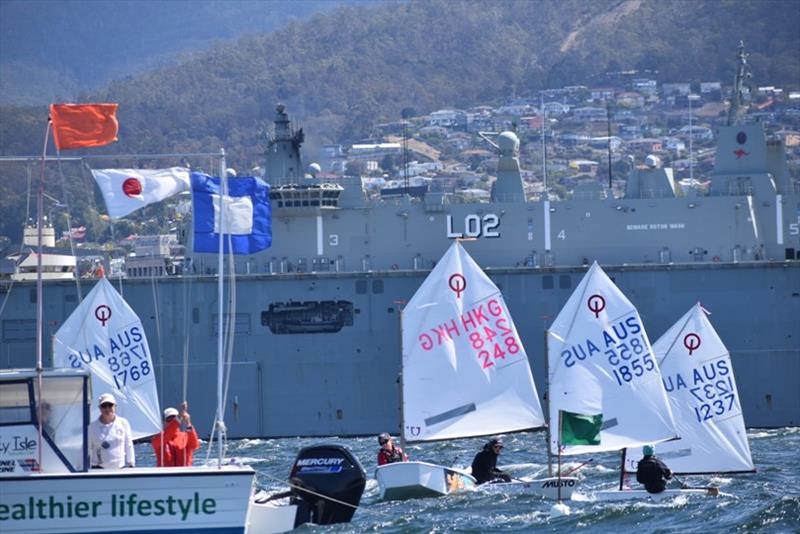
[{"x": 127, "y": 190}]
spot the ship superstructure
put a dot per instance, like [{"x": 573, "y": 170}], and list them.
[{"x": 317, "y": 345}]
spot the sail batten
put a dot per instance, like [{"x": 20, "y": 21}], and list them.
[
  {"x": 601, "y": 368},
  {"x": 465, "y": 371},
  {"x": 700, "y": 383}
]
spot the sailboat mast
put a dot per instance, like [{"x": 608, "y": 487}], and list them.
[
  {"x": 547, "y": 404},
  {"x": 622, "y": 469},
  {"x": 220, "y": 305},
  {"x": 402, "y": 416}
]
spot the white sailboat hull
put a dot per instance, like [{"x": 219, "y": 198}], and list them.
[
  {"x": 409, "y": 480},
  {"x": 543, "y": 487},
  {"x": 196, "y": 499},
  {"x": 643, "y": 495}
]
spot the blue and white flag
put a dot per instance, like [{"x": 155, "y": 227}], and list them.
[{"x": 247, "y": 216}]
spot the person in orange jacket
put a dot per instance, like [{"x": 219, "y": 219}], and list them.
[{"x": 173, "y": 446}]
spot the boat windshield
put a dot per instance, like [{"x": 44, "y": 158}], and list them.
[{"x": 64, "y": 416}]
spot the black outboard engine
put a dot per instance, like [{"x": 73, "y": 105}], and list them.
[{"x": 326, "y": 470}]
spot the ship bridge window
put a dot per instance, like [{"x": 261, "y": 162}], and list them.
[
  {"x": 547, "y": 282},
  {"x": 308, "y": 317}
]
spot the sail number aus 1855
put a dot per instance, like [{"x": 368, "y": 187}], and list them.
[{"x": 475, "y": 226}]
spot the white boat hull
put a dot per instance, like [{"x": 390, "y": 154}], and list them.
[
  {"x": 632, "y": 495},
  {"x": 196, "y": 499},
  {"x": 544, "y": 487},
  {"x": 269, "y": 518},
  {"x": 410, "y": 480}
]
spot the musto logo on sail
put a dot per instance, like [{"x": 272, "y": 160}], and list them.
[{"x": 120, "y": 505}]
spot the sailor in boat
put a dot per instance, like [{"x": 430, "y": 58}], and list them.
[
  {"x": 174, "y": 447},
  {"x": 110, "y": 438},
  {"x": 389, "y": 453},
  {"x": 652, "y": 472},
  {"x": 484, "y": 466}
]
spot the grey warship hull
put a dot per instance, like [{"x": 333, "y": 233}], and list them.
[
  {"x": 317, "y": 334},
  {"x": 345, "y": 382}
]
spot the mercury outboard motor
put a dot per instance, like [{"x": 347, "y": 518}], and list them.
[{"x": 331, "y": 471}]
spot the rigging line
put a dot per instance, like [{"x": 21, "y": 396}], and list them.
[
  {"x": 231, "y": 324},
  {"x": 303, "y": 489},
  {"x": 187, "y": 297},
  {"x": 158, "y": 334},
  {"x": 66, "y": 198}
]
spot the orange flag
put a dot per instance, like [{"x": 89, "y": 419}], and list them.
[{"x": 84, "y": 125}]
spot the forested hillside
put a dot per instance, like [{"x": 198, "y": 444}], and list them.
[{"x": 341, "y": 72}]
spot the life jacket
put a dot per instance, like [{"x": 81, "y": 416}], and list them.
[{"x": 390, "y": 457}]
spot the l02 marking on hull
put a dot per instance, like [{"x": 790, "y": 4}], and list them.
[{"x": 475, "y": 226}]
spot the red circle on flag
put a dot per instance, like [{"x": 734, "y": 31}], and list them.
[{"x": 132, "y": 187}]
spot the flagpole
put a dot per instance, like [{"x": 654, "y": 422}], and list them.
[
  {"x": 220, "y": 305},
  {"x": 40, "y": 296}
]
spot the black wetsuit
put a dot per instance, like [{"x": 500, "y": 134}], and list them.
[
  {"x": 484, "y": 468},
  {"x": 653, "y": 473}
]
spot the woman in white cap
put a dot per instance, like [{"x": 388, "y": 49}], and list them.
[{"x": 110, "y": 439}]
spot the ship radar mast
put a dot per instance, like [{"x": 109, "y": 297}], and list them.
[{"x": 736, "y": 109}]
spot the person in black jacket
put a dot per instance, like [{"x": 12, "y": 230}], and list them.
[
  {"x": 652, "y": 472},
  {"x": 484, "y": 466}
]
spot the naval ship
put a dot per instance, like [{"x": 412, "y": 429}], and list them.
[{"x": 316, "y": 321}]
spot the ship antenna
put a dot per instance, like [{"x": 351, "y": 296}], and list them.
[
  {"x": 544, "y": 147},
  {"x": 404, "y": 115},
  {"x": 608, "y": 125},
  {"x": 737, "y": 93}
]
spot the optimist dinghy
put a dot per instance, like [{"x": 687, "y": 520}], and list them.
[
  {"x": 698, "y": 377},
  {"x": 465, "y": 373}
]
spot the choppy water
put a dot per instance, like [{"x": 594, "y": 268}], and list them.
[{"x": 768, "y": 501}]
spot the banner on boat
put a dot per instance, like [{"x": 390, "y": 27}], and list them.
[
  {"x": 465, "y": 371},
  {"x": 244, "y": 215},
  {"x": 105, "y": 336},
  {"x": 698, "y": 377},
  {"x": 127, "y": 190},
  {"x": 600, "y": 362}
]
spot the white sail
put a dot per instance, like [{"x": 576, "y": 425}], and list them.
[
  {"x": 698, "y": 377},
  {"x": 465, "y": 371},
  {"x": 105, "y": 336},
  {"x": 600, "y": 362}
]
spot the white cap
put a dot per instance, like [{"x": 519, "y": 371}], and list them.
[
  {"x": 106, "y": 397},
  {"x": 170, "y": 412}
]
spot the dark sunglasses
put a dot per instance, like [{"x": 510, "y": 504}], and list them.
[
  {"x": 107, "y": 405},
  {"x": 498, "y": 446}
]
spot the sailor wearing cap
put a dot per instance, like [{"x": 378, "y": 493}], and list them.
[
  {"x": 389, "y": 453},
  {"x": 110, "y": 438},
  {"x": 174, "y": 447},
  {"x": 484, "y": 465}
]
